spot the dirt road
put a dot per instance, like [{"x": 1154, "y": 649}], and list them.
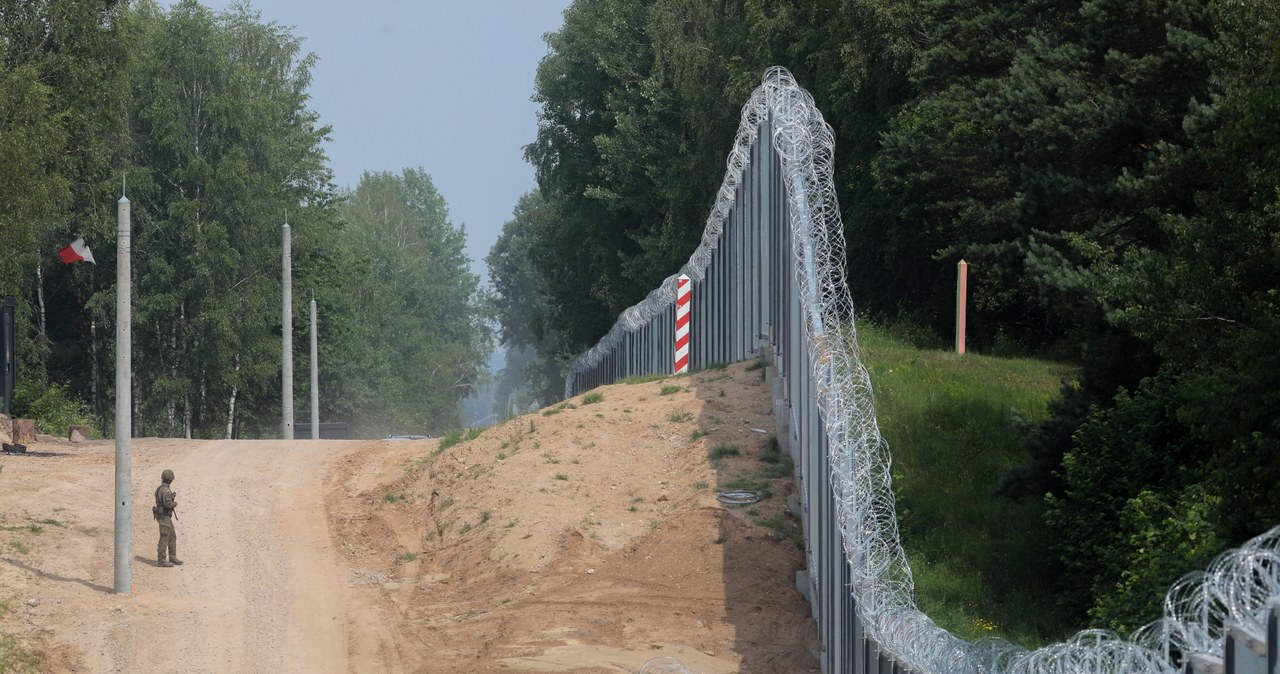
[{"x": 585, "y": 538}]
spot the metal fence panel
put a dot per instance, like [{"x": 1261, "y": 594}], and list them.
[{"x": 771, "y": 267}]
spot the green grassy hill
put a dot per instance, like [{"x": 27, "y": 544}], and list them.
[{"x": 954, "y": 424}]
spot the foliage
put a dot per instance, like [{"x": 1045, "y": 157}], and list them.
[
  {"x": 1184, "y": 464},
  {"x": 954, "y": 424},
  {"x": 222, "y": 146},
  {"x": 62, "y": 83},
  {"x": 416, "y": 341},
  {"x": 221, "y": 150},
  {"x": 723, "y": 450},
  {"x": 54, "y": 409},
  {"x": 531, "y": 372},
  {"x": 15, "y": 658},
  {"x": 458, "y": 436}
]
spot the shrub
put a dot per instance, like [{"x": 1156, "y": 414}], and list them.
[
  {"x": 54, "y": 409},
  {"x": 722, "y": 451}
]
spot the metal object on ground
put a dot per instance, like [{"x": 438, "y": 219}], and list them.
[{"x": 738, "y": 497}]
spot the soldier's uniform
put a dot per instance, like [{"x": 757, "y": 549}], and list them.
[{"x": 166, "y": 502}]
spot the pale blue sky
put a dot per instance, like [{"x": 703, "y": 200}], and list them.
[{"x": 444, "y": 85}]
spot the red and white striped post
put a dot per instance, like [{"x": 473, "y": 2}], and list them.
[{"x": 682, "y": 324}]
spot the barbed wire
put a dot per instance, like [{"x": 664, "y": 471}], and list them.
[{"x": 1235, "y": 588}]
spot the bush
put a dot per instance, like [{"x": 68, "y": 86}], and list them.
[{"x": 54, "y": 409}]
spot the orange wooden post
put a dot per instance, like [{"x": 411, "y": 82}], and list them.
[{"x": 962, "y": 291}]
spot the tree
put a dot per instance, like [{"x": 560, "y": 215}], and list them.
[
  {"x": 1198, "y": 288},
  {"x": 223, "y": 147},
  {"x": 416, "y": 341},
  {"x": 1207, "y": 301},
  {"x": 532, "y": 371},
  {"x": 61, "y": 86}
]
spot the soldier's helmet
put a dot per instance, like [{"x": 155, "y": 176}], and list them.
[{"x": 167, "y": 475}]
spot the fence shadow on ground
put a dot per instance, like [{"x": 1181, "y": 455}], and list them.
[{"x": 762, "y": 543}]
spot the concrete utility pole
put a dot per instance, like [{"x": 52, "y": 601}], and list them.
[
  {"x": 962, "y": 302},
  {"x": 315, "y": 377},
  {"x": 124, "y": 403},
  {"x": 286, "y": 393}
]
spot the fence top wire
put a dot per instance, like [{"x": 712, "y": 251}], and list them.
[{"x": 1234, "y": 589}]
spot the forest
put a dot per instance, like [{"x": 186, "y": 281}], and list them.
[
  {"x": 201, "y": 119},
  {"x": 1108, "y": 168}
]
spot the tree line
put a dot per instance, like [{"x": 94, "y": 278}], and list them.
[
  {"x": 203, "y": 119},
  {"x": 1107, "y": 167}
]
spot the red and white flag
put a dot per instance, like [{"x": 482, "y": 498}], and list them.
[{"x": 77, "y": 251}]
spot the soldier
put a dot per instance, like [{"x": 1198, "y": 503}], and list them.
[{"x": 166, "y": 503}]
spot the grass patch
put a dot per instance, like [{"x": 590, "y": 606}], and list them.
[
  {"x": 781, "y": 468},
  {"x": 593, "y": 398},
  {"x": 701, "y": 485},
  {"x": 408, "y": 556},
  {"x": 454, "y": 437},
  {"x": 559, "y": 408},
  {"x": 721, "y": 451},
  {"x": 772, "y": 452},
  {"x": 669, "y": 389},
  {"x": 955, "y": 425},
  {"x": 14, "y": 658},
  {"x": 758, "y": 365},
  {"x": 561, "y": 476},
  {"x": 748, "y": 484},
  {"x": 643, "y": 378},
  {"x": 698, "y": 433},
  {"x": 395, "y": 498},
  {"x": 680, "y": 417}
]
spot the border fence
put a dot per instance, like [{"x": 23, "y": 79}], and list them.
[{"x": 769, "y": 280}]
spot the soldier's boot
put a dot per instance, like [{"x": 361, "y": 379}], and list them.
[
  {"x": 164, "y": 564},
  {"x": 174, "y": 561}
]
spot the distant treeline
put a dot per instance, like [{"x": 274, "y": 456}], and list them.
[
  {"x": 1109, "y": 168},
  {"x": 206, "y": 117}
]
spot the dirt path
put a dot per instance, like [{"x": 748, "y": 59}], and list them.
[{"x": 585, "y": 538}]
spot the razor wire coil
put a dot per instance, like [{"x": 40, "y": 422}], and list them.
[{"x": 1197, "y": 609}]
